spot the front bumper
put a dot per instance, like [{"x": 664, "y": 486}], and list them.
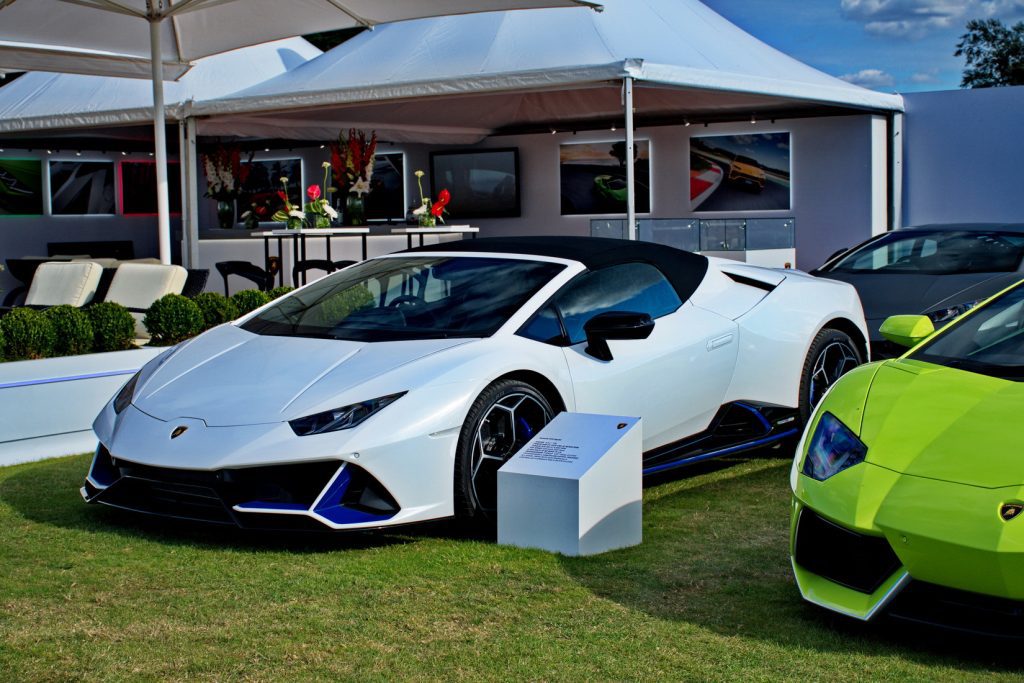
[
  {"x": 870, "y": 541},
  {"x": 314, "y": 496}
]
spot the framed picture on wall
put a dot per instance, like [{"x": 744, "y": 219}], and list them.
[
  {"x": 262, "y": 184},
  {"x": 592, "y": 177},
  {"x": 21, "y": 187},
  {"x": 748, "y": 172},
  {"x": 138, "y": 187},
  {"x": 386, "y": 198},
  {"x": 484, "y": 183},
  {"x": 80, "y": 188}
]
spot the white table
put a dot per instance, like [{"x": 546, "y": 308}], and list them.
[
  {"x": 298, "y": 237},
  {"x": 436, "y": 230}
]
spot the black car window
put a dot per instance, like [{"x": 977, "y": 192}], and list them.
[
  {"x": 635, "y": 287},
  {"x": 544, "y": 327},
  {"x": 392, "y": 299},
  {"x": 936, "y": 252},
  {"x": 990, "y": 341}
]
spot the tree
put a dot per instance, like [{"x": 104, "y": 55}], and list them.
[{"x": 993, "y": 54}]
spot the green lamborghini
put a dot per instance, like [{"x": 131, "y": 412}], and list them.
[{"x": 909, "y": 479}]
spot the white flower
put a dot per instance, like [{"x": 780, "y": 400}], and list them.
[
  {"x": 245, "y": 215},
  {"x": 420, "y": 211},
  {"x": 284, "y": 179},
  {"x": 361, "y": 186},
  {"x": 419, "y": 174},
  {"x": 295, "y": 213},
  {"x": 331, "y": 213},
  {"x": 327, "y": 164}
]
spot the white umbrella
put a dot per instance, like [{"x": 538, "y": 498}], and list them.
[{"x": 158, "y": 38}]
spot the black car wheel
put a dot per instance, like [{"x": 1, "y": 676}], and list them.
[
  {"x": 506, "y": 415},
  {"x": 832, "y": 354}
]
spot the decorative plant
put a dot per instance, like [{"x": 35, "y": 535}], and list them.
[
  {"x": 216, "y": 309},
  {"x": 113, "y": 327},
  {"x": 249, "y": 300},
  {"x": 72, "y": 329},
  {"x": 171, "y": 319},
  {"x": 291, "y": 214},
  {"x": 225, "y": 172},
  {"x": 3, "y": 345},
  {"x": 428, "y": 213},
  {"x": 278, "y": 292},
  {"x": 28, "y": 334},
  {"x": 352, "y": 160}
]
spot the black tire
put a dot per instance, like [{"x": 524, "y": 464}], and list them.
[
  {"x": 833, "y": 353},
  {"x": 502, "y": 419}
]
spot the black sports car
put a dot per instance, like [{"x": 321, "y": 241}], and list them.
[{"x": 936, "y": 270}]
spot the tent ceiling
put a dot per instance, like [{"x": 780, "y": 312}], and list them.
[
  {"x": 459, "y": 79},
  {"x": 466, "y": 119}
]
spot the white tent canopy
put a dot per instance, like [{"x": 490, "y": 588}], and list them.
[
  {"x": 40, "y": 101},
  {"x": 543, "y": 66}
]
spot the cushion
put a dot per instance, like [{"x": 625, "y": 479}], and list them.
[
  {"x": 138, "y": 285},
  {"x": 102, "y": 260},
  {"x": 64, "y": 282}
]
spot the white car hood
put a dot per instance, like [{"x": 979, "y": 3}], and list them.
[{"x": 228, "y": 377}]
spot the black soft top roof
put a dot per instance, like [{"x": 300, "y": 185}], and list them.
[{"x": 683, "y": 269}]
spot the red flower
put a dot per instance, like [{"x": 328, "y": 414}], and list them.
[
  {"x": 443, "y": 197},
  {"x": 313, "y": 192},
  {"x": 283, "y": 196}
]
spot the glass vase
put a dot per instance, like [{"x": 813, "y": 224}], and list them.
[
  {"x": 355, "y": 211},
  {"x": 294, "y": 223},
  {"x": 226, "y": 215}
]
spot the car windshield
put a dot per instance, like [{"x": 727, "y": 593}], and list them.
[
  {"x": 392, "y": 299},
  {"x": 989, "y": 341},
  {"x": 935, "y": 252}
]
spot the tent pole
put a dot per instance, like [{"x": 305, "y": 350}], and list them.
[
  {"x": 190, "y": 158},
  {"x": 160, "y": 142},
  {"x": 630, "y": 171}
]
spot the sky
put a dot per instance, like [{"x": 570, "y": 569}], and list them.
[{"x": 885, "y": 45}]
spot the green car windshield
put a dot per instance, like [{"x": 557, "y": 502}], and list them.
[
  {"x": 408, "y": 298},
  {"x": 935, "y": 252},
  {"x": 990, "y": 341}
]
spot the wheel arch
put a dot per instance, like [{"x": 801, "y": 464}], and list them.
[
  {"x": 849, "y": 327},
  {"x": 542, "y": 383}
]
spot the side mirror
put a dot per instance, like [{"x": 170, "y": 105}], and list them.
[
  {"x": 615, "y": 325},
  {"x": 907, "y": 330}
]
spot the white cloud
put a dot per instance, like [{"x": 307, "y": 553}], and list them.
[
  {"x": 924, "y": 76},
  {"x": 870, "y": 78},
  {"x": 917, "y": 18}
]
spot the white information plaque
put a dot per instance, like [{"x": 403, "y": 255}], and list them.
[{"x": 574, "y": 488}]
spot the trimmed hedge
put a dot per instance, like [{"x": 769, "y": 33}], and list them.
[
  {"x": 3, "y": 345},
  {"x": 216, "y": 309},
  {"x": 249, "y": 300},
  {"x": 72, "y": 328},
  {"x": 28, "y": 334},
  {"x": 171, "y": 319},
  {"x": 278, "y": 292},
  {"x": 113, "y": 327}
]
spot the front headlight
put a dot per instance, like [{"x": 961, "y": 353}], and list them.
[
  {"x": 127, "y": 393},
  {"x": 833, "y": 448},
  {"x": 124, "y": 397},
  {"x": 941, "y": 316},
  {"x": 342, "y": 418}
]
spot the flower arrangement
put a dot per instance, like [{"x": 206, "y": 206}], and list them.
[
  {"x": 225, "y": 173},
  {"x": 318, "y": 212},
  {"x": 352, "y": 158},
  {"x": 430, "y": 211}
]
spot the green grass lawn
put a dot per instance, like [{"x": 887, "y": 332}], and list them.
[{"x": 92, "y": 593}]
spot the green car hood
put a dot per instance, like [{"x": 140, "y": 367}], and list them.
[{"x": 942, "y": 423}]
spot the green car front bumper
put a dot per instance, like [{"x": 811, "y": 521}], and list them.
[{"x": 872, "y": 540}]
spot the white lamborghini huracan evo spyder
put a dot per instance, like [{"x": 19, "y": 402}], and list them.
[{"x": 392, "y": 391}]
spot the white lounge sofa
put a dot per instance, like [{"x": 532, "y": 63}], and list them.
[
  {"x": 137, "y": 285},
  {"x": 64, "y": 282}
]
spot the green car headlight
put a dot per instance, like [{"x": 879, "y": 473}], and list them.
[
  {"x": 342, "y": 418},
  {"x": 833, "y": 448}
]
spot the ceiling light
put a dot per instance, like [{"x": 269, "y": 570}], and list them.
[
  {"x": 686, "y": 123},
  {"x": 752, "y": 119}
]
